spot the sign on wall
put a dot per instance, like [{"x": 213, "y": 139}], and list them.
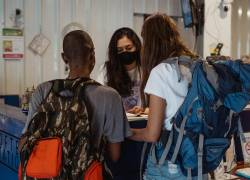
[
  {"x": 246, "y": 147},
  {"x": 13, "y": 44},
  {"x": 39, "y": 44}
]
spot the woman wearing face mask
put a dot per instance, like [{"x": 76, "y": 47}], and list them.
[
  {"x": 122, "y": 69},
  {"x": 122, "y": 72}
]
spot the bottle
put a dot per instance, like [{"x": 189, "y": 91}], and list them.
[
  {"x": 25, "y": 101},
  {"x": 31, "y": 92}
]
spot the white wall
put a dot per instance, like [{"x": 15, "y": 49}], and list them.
[
  {"x": 217, "y": 27},
  {"x": 11, "y": 74},
  {"x": 171, "y": 8},
  {"x": 98, "y": 17},
  {"x": 240, "y": 28}
]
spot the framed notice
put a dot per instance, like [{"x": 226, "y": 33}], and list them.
[
  {"x": 39, "y": 44},
  {"x": 246, "y": 147},
  {"x": 13, "y": 47}
]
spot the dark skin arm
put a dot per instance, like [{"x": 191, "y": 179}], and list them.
[{"x": 114, "y": 151}]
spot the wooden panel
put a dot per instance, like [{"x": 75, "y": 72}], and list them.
[
  {"x": 240, "y": 28},
  {"x": 11, "y": 71},
  {"x": 33, "y": 68},
  {"x": 217, "y": 28},
  {"x": 50, "y": 66},
  {"x": 98, "y": 29},
  {"x": 139, "y": 6},
  {"x": 170, "y": 7},
  {"x": 13, "y": 76},
  {"x": 65, "y": 17},
  {"x": 2, "y": 62},
  {"x": 99, "y": 18}
]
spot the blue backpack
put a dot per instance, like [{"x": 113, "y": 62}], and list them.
[{"x": 205, "y": 122}]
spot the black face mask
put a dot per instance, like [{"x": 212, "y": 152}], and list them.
[{"x": 127, "y": 58}]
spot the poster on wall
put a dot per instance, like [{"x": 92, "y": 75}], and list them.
[
  {"x": 13, "y": 47},
  {"x": 12, "y": 44}
]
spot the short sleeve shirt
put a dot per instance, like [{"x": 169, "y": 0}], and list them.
[
  {"x": 163, "y": 82},
  {"x": 134, "y": 99},
  {"x": 108, "y": 116}
]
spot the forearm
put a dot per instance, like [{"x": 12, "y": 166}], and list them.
[
  {"x": 114, "y": 150},
  {"x": 143, "y": 135},
  {"x": 138, "y": 134},
  {"x": 152, "y": 131}
]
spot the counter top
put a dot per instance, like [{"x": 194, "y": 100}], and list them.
[
  {"x": 247, "y": 107},
  {"x": 12, "y": 112},
  {"x": 134, "y": 117},
  {"x": 12, "y": 120}
]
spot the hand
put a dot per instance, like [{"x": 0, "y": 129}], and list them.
[
  {"x": 136, "y": 110},
  {"x": 146, "y": 111}
]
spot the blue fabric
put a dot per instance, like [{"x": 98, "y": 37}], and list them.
[
  {"x": 234, "y": 83},
  {"x": 205, "y": 117},
  {"x": 156, "y": 172},
  {"x": 10, "y": 130},
  {"x": 240, "y": 70},
  {"x": 161, "y": 172},
  {"x": 164, "y": 172}
]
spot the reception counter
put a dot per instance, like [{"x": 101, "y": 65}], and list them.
[{"x": 12, "y": 121}]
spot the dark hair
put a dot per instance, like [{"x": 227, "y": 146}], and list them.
[
  {"x": 161, "y": 40},
  {"x": 77, "y": 46},
  {"x": 117, "y": 76}
]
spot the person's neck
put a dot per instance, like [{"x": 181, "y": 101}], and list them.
[
  {"x": 130, "y": 66},
  {"x": 76, "y": 73}
]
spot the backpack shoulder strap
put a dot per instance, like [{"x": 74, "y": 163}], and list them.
[
  {"x": 240, "y": 130},
  {"x": 211, "y": 75},
  {"x": 175, "y": 61},
  {"x": 90, "y": 82},
  {"x": 60, "y": 85},
  {"x": 181, "y": 60},
  {"x": 143, "y": 153}
]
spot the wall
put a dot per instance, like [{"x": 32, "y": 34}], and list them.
[
  {"x": 170, "y": 7},
  {"x": 99, "y": 17},
  {"x": 240, "y": 28},
  {"x": 11, "y": 73},
  {"x": 217, "y": 27}
]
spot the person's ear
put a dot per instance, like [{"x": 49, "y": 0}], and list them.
[
  {"x": 64, "y": 58},
  {"x": 92, "y": 57},
  {"x": 91, "y": 61}
]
